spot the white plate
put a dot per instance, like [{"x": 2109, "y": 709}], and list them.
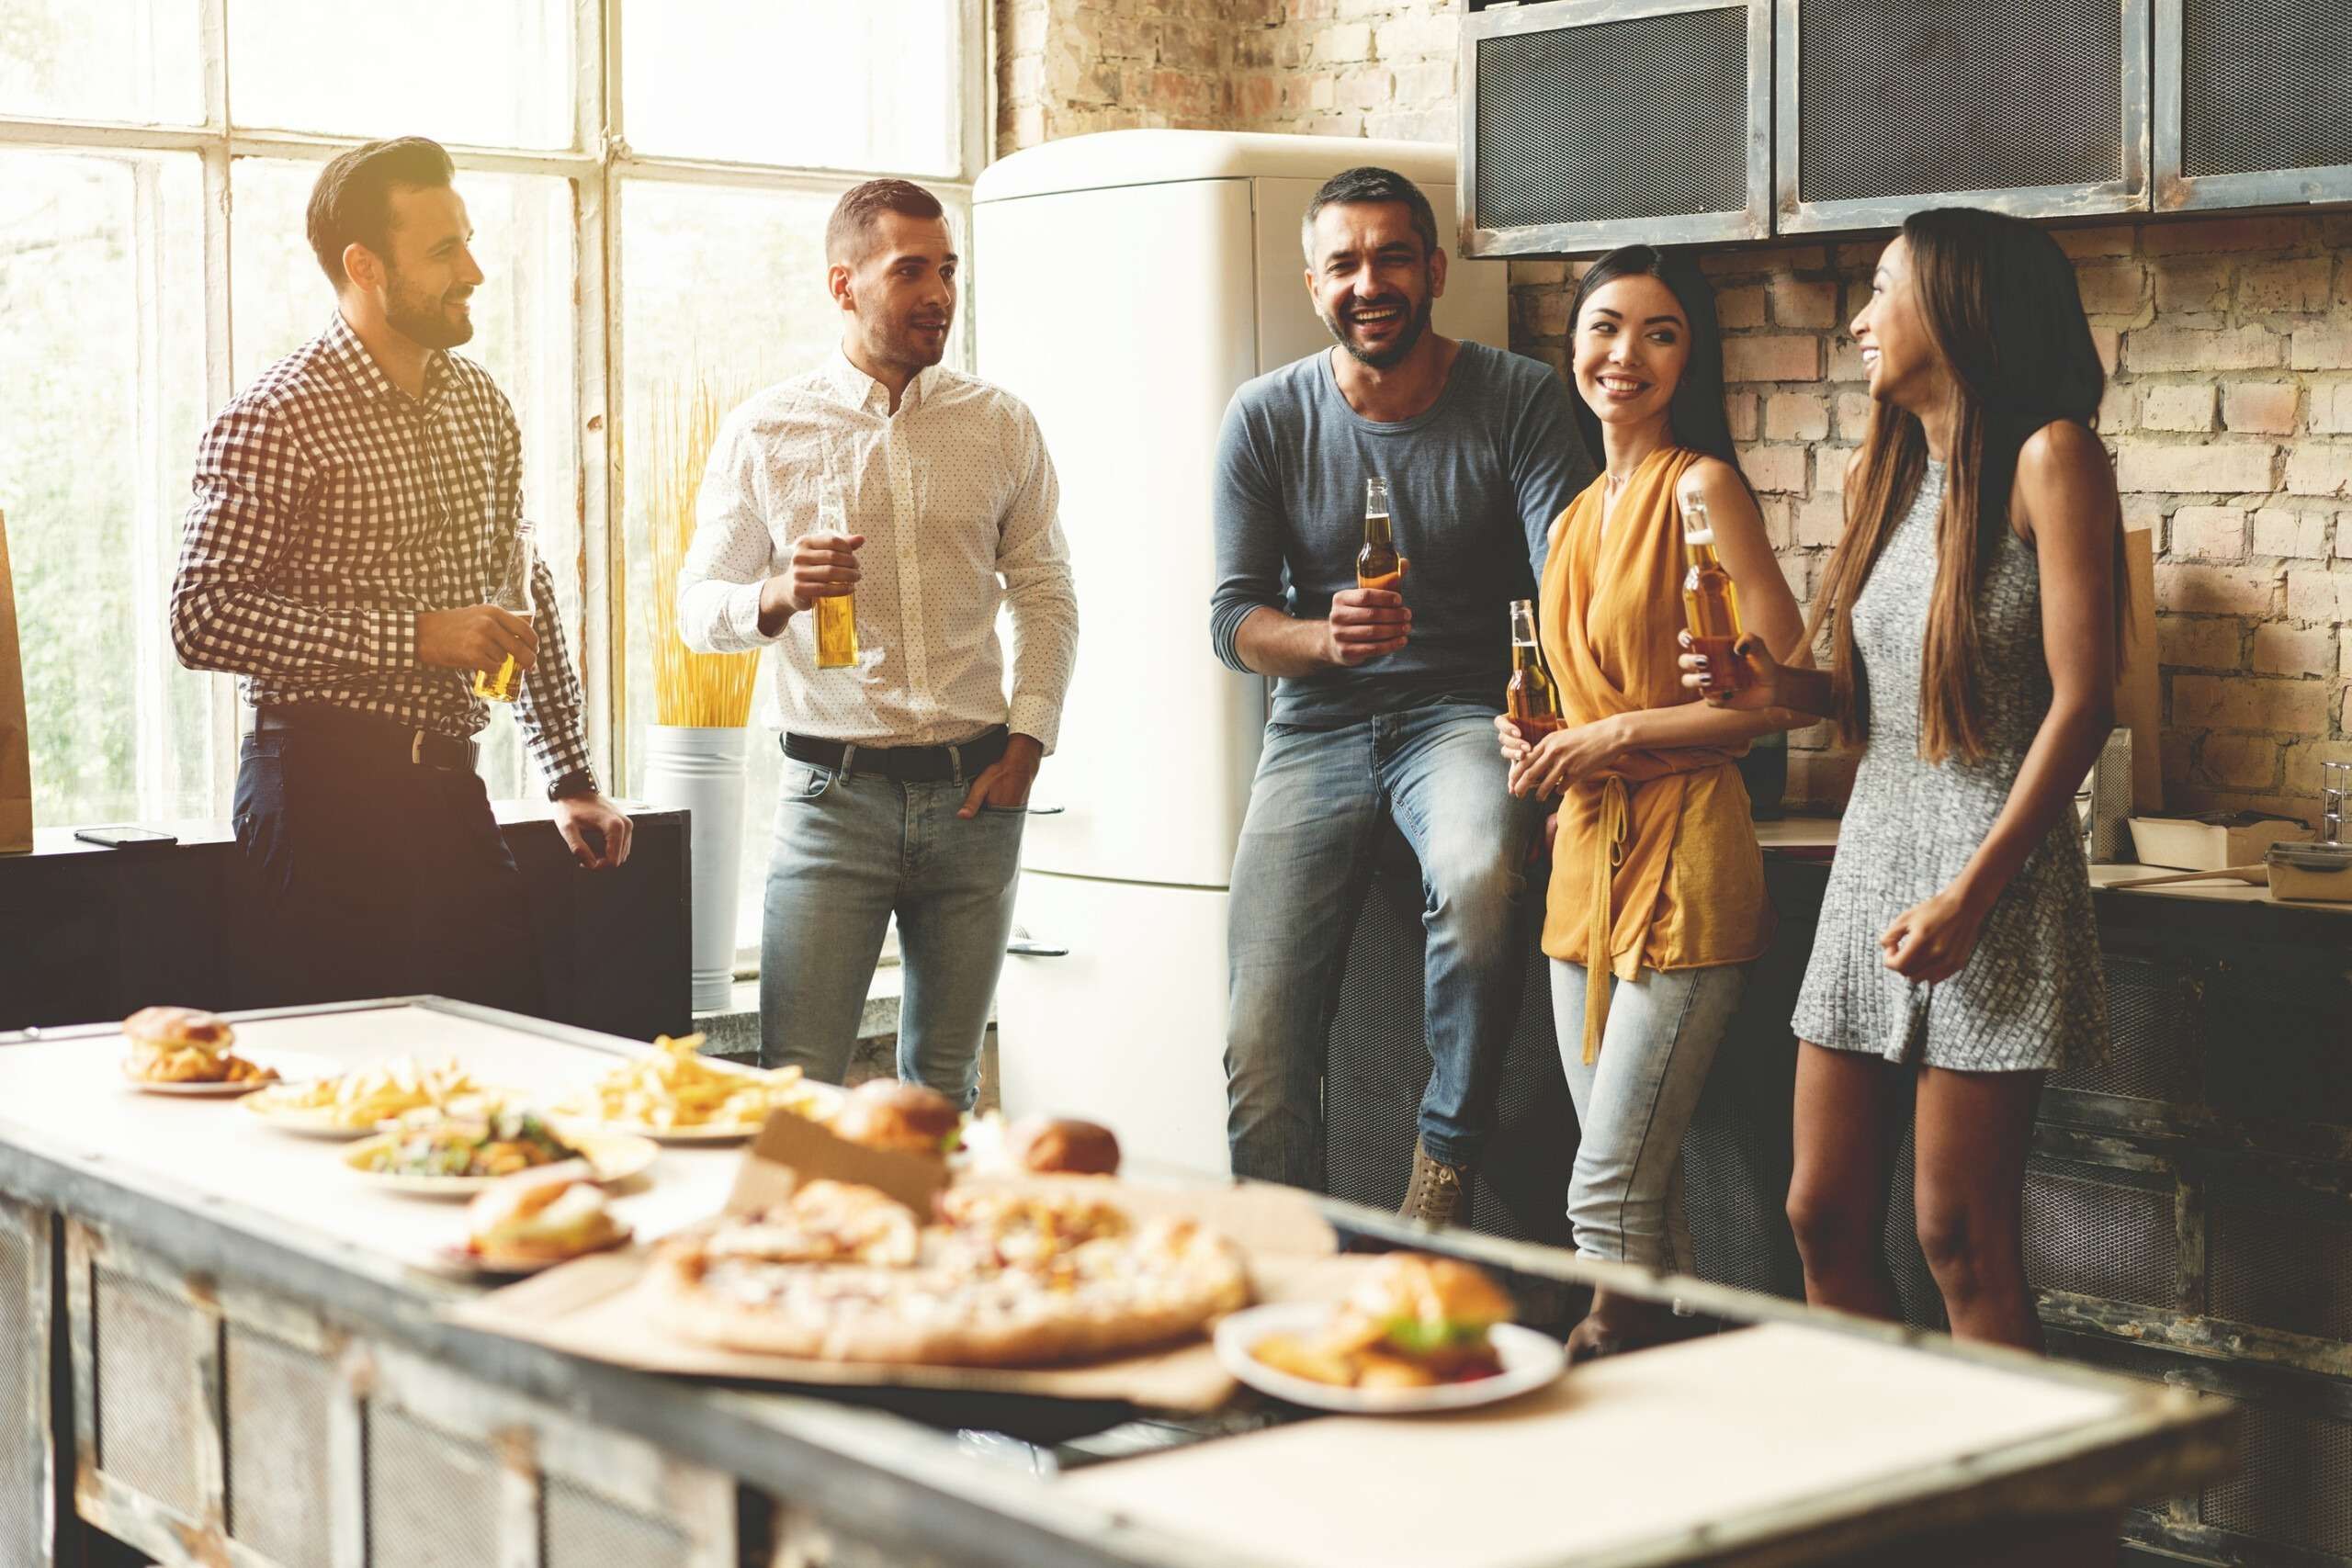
[
  {"x": 615, "y": 1157},
  {"x": 320, "y": 1120},
  {"x": 458, "y": 1263},
  {"x": 826, "y": 1098},
  {"x": 1530, "y": 1361},
  {"x": 291, "y": 1067}
]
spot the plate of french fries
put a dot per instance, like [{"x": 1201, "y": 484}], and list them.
[
  {"x": 673, "y": 1093},
  {"x": 365, "y": 1099}
]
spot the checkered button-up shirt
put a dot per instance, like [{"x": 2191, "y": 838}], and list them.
[{"x": 330, "y": 507}]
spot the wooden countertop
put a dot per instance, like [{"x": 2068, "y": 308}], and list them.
[{"x": 1811, "y": 837}]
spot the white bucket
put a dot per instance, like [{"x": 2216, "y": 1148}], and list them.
[{"x": 700, "y": 770}]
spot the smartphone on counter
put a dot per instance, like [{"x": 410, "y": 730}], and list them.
[{"x": 125, "y": 836}]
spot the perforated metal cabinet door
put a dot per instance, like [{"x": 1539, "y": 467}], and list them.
[
  {"x": 2252, "y": 103},
  {"x": 1594, "y": 123},
  {"x": 26, "y": 1455},
  {"x": 2036, "y": 107}
]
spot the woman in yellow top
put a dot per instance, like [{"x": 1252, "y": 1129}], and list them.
[{"x": 1657, "y": 885}]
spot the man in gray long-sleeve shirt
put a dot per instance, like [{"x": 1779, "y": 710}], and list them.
[{"x": 1385, "y": 701}]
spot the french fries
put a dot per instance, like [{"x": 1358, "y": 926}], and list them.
[
  {"x": 384, "y": 1092},
  {"x": 674, "y": 1089}
]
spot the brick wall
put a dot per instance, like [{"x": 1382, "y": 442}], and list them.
[{"x": 2229, "y": 338}]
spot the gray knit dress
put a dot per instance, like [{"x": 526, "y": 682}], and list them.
[{"x": 2031, "y": 996}]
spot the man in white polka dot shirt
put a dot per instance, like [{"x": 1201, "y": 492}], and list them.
[{"x": 929, "y": 494}]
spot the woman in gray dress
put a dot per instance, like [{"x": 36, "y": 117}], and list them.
[{"x": 1972, "y": 606}]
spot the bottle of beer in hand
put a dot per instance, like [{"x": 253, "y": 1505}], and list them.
[
  {"x": 1377, "y": 564},
  {"x": 1710, "y": 603},
  {"x": 1532, "y": 700},
  {"x": 513, "y": 594},
  {"x": 836, "y": 617}
]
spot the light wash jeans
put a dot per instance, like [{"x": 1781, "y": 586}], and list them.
[
  {"x": 1305, "y": 862},
  {"x": 850, "y": 852},
  {"x": 1635, "y": 1102}
]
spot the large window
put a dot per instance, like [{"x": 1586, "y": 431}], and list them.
[{"x": 648, "y": 180}]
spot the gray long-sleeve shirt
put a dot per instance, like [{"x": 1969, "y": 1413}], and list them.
[{"x": 1474, "y": 482}]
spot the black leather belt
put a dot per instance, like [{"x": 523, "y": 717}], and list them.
[
  {"x": 907, "y": 764},
  {"x": 370, "y": 736}
]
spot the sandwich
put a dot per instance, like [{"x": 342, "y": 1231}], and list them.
[
  {"x": 1060, "y": 1146},
  {"x": 171, "y": 1044},
  {"x": 903, "y": 1118},
  {"x": 542, "y": 1216},
  {"x": 1413, "y": 1321}
]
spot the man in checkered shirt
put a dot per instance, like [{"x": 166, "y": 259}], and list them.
[{"x": 354, "y": 508}]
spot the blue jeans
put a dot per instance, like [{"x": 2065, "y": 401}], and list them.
[
  {"x": 1306, "y": 858},
  {"x": 1635, "y": 1102},
  {"x": 850, "y": 850}
]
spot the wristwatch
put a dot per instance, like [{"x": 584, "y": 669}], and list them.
[{"x": 572, "y": 785}]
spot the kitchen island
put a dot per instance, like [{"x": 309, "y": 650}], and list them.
[{"x": 217, "y": 1346}]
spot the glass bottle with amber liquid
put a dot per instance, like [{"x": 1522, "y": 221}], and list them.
[
  {"x": 1377, "y": 564},
  {"x": 1710, "y": 602},
  {"x": 836, "y": 617},
  {"x": 1530, "y": 698},
  {"x": 513, "y": 594}
]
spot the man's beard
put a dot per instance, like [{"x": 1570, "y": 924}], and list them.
[
  {"x": 902, "y": 344},
  {"x": 1395, "y": 353},
  {"x": 420, "y": 317}
]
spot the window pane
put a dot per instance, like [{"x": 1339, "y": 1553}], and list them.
[
  {"x": 726, "y": 286},
  {"x": 124, "y": 60},
  {"x": 101, "y": 320},
  {"x": 523, "y": 334},
  {"x": 813, "y": 83},
  {"x": 488, "y": 73}
]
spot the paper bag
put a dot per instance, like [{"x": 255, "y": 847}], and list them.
[{"x": 16, "y": 743}]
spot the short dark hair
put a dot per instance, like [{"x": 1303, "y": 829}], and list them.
[
  {"x": 849, "y": 233},
  {"x": 1365, "y": 184},
  {"x": 353, "y": 200}
]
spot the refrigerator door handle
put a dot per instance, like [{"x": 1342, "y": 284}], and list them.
[{"x": 1023, "y": 945}]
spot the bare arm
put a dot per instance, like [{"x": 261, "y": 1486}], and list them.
[{"x": 2065, "y": 500}]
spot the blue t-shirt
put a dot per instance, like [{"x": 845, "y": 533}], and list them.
[{"x": 1474, "y": 481}]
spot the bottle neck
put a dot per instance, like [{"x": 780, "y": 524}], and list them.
[{"x": 1376, "y": 529}]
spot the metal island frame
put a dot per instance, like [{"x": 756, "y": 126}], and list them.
[{"x": 217, "y": 1347}]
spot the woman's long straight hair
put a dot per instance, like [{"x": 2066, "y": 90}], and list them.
[
  {"x": 2000, "y": 299},
  {"x": 1696, "y": 416}
]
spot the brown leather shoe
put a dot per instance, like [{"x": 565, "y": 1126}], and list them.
[{"x": 1440, "y": 1195}]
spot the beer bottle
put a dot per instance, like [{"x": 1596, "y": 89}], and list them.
[
  {"x": 836, "y": 617},
  {"x": 1710, "y": 602},
  {"x": 513, "y": 594},
  {"x": 1534, "y": 702},
  {"x": 1377, "y": 564}
]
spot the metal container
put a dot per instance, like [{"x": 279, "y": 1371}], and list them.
[{"x": 2318, "y": 871}]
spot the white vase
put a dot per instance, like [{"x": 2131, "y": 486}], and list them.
[{"x": 700, "y": 770}]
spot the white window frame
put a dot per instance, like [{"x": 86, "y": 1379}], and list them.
[{"x": 600, "y": 163}]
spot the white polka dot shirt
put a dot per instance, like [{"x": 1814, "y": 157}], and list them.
[{"x": 958, "y": 503}]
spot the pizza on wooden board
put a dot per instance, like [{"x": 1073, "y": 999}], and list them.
[{"x": 841, "y": 1272}]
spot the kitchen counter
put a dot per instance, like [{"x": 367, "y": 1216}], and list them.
[
  {"x": 88, "y": 933},
  {"x": 258, "y": 1372}
]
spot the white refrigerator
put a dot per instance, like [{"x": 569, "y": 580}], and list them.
[{"x": 1127, "y": 284}]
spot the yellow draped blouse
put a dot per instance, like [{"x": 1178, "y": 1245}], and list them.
[{"x": 1655, "y": 864}]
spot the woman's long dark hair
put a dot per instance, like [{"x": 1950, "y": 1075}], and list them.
[
  {"x": 2000, "y": 299},
  {"x": 1695, "y": 414}
]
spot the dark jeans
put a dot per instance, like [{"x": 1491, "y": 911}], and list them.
[{"x": 361, "y": 876}]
